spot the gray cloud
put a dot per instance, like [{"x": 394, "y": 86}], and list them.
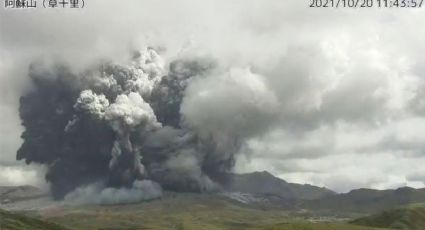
[{"x": 330, "y": 97}]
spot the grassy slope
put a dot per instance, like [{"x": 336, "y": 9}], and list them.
[
  {"x": 367, "y": 201},
  {"x": 409, "y": 218},
  {"x": 315, "y": 226},
  {"x": 189, "y": 212},
  {"x": 13, "y": 221}
]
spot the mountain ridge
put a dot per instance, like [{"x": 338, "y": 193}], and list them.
[
  {"x": 367, "y": 200},
  {"x": 266, "y": 183}
]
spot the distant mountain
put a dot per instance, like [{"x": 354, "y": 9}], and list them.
[
  {"x": 266, "y": 183},
  {"x": 18, "y": 193},
  {"x": 410, "y": 218},
  {"x": 367, "y": 200}
]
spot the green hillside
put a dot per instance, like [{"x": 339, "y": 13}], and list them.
[
  {"x": 366, "y": 201},
  {"x": 410, "y": 218},
  {"x": 314, "y": 226},
  {"x": 185, "y": 212},
  {"x": 13, "y": 221}
]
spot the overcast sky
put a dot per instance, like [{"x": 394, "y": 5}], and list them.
[{"x": 345, "y": 87}]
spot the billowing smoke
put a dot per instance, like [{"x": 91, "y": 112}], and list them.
[
  {"x": 97, "y": 193},
  {"x": 127, "y": 130}
]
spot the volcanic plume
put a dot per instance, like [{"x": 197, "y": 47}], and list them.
[{"x": 134, "y": 126}]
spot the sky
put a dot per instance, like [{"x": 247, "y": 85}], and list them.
[{"x": 340, "y": 90}]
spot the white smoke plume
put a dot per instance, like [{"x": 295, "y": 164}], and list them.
[
  {"x": 98, "y": 194},
  {"x": 130, "y": 111}
]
